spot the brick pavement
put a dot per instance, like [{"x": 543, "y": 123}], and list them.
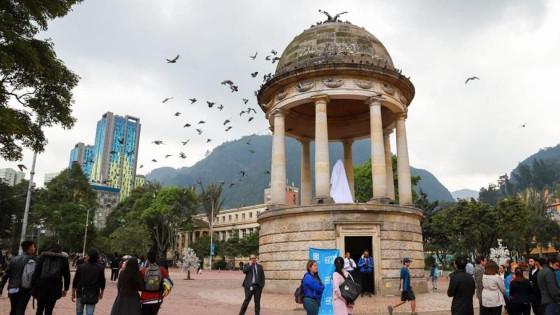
[{"x": 220, "y": 293}]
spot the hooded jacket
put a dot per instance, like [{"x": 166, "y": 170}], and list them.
[{"x": 51, "y": 270}]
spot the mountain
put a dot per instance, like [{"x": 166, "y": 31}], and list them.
[
  {"x": 546, "y": 154},
  {"x": 226, "y": 162},
  {"x": 465, "y": 194}
]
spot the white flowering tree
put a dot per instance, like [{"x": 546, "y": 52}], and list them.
[{"x": 189, "y": 261}]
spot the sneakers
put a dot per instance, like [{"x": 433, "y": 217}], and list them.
[{"x": 390, "y": 309}]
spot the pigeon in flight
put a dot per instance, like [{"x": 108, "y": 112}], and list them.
[
  {"x": 177, "y": 114},
  {"x": 231, "y": 185},
  {"x": 186, "y": 125},
  {"x": 208, "y": 140},
  {"x": 275, "y": 59},
  {"x": 141, "y": 166},
  {"x": 267, "y": 172},
  {"x": 524, "y": 125},
  {"x": 252, "y": 151},
  {"x": 113, "y": 152},
  {"x": 157, "y": 142},
  {"x": 168, "y": 155},
  {"x": 199, "y": 131},
  {"x": 267, "y": 58},
  {"x": 243, "y": 173},
  {"x": 185, "y": 142},
  {"x": 471, "y": 79},
  {"x": 154, "y": 160},
  {"x": 201, "y": 122},
  {"x": 228, "y": 128},
  {"x": 226, "y": 122},
  {"x": 234, "y": 88},
  {"x": 21, "y": 167},
  {"x": 182, "y": 155},
  {"x": 248, "y": 142},
  {"x": 245, "y": 101},
  {"x": 221, "y": 107},
  {"x": 242, "y": 112},
  {"x": 193, "y": 100},
  {"x": 253, "y": 57},
  {"x": 121, "y": 141},
  {"x": 227, "y": 82},
  {"x": 251, "y": 118},
  {"x": 254, "y": 74},
  {"x": 174, "y": 60},
  {"x": 210, "y": 104},
  {"x": 274, "y": 52},
  {"x": 167, "y": 99},
  {"x": 250, "y": 109}
]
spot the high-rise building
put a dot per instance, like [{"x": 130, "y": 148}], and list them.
[
  {"x": 49, "y": 177},
  {"x": 83, "y": 155},
  {"x": 10, "y": 176},
  {"x": 116, "y": 152},
  {"x": 140, "y": 181},
  {"x": 107, "y": 199}
]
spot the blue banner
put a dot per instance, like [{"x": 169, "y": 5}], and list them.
[{"x": 325, "y": 262}]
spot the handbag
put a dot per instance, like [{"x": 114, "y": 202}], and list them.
[
  {"x": 90, "y": 296},
  {"x": 349, "y": 289}
]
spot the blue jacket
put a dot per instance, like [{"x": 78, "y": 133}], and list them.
[
  {"x": 312, "y": 287},
  {"x": 366, "y": 264}
]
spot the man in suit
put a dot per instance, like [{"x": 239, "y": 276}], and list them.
[{"x": 253, "y": 284}]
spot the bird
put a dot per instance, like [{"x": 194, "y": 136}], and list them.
[
  {"x": 234, "y": 88},
  {"x": 242, "y": 112},
  {"x": 121, "y": 141},
  {"x": 243, "y": 173},
  {"x": 250, "y": 109},
  {"x": 193, "y": 100},
  {"x": 226, "y": 122},
  {"x": 210, "y": 104},
  {"x": 253, "y": 57},
  {"x": 186, "y": 125},
  {"x": 248, "y": 142},
  {"x": 141, "y": 166},
  {"x": 471, "y": 79},
  {"x": 177, "y": 114},
  {"x": 157, "y": 142},
  {"x": 274, "y": 52},
  {"x": 182, "y": 155},
  {"x": 524, "y": 125},
  {"x": 199, "y": 131},
  {"x": 231, "y": 185},
  {"x": 113, "y": 152},
  {"x": 252, "y": 151},
  {"x": 167, "y": 99},
  {"x": 21, "y": 167},
  {"x": 267, "y": 172},
  {"x": 201, "y": 122},
  {"x": 227, "y": 82},
  {"x": 221, "y": 107},
  {"x": 128, "y": 153},
  {"x": 168, "y": 155},
  {"x": 154, "y": 160},
  {"x": 185, "y": 142},
  {"x": 229, "y": 128},
  {"x": 174, "y": 60},
  {"x": 251, "y": 118},
  {"x": 275, "y": 59},
  {"x": 267, "y": 58},
  {"x": 208, "y": 140},
  {"x": 245, "y": 101},
  {"x": 254, "y": 74}
]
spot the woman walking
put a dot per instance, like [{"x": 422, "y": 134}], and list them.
[
  {"x": 340, "y": 305},
  {"x": 492, "y": 290},
  {"x": 312, "y": 289},
  {"x": 520, "y": 294},
  {"x": 130, "y": 282}
]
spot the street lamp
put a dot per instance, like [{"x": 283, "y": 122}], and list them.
[
  {"x": 211, "y": 233},
  {"x": 27, "y": 202}
]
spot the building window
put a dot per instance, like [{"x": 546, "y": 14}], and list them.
[
  {"x": 224, "y": 218},
  {"x": 236, "y": 217},
  {"x": 243, "y": 216},
  {"x": 229, "y": 219},
  {"x": 250, "y": 214},
  {"x": 244, "y": 233},
  {"x": 258, "y": 212}
]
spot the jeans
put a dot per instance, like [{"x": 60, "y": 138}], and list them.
[
  {"x": 90, "y": 308},
  {"x": 45, "y": 307},
  {"x": 18, "y": 301},
  {"x": 551, "y": 309},
  {"x": 311, "y": 306}
]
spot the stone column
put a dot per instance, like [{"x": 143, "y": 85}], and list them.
[
  {"x": 278, "y": 167},
  {"x": 305, "y": 189},
  {"x": 378, "y": 171},
  {"x": 348, "y": 165},
  {"x": 389, "y": 165},
  {"x": 322, "y": 167},
  {"x": 403, "y": 166}
]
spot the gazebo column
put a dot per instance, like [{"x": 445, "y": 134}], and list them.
[
  {"x": 389, "y": 165},
  {"x": 278, "y": 165},
  {"x": 348, "y": 165},
  {"x": 322, "y": 171},
  {"x": 378, "y": 167},
  {"x": 305, "y": 189},
  {"x": 403, "y": 165}
]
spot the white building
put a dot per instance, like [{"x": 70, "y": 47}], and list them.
[
  {"x": 49, "y": 177},
  {"x": 10, "y": 176}
]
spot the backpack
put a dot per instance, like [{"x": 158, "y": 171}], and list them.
[
  {"x": 51, "y": 269},
  {"x": 152, "y": 279},
  {"x": 27, "y": 273},
  {"x": 298, "y": 294}
]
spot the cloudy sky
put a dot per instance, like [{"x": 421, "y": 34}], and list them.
[{"x": 466, "y": 135}]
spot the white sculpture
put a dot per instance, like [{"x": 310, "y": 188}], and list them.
[{"x": 189, "y": 261}]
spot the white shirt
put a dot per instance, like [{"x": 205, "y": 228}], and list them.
[{"x": 349, "y": 264}]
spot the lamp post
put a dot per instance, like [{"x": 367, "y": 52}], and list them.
[
  {"x": 85, "y": 233},
  {"x": 211, "y": 233},
  {"x": 27, "y": 203}
]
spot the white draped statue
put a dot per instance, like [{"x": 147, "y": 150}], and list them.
[{"x": 340, "y": 189}]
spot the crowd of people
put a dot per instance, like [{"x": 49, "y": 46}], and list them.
[{"x": 142, "y": 284}]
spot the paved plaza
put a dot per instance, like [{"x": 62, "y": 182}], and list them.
[{"x": 221, "y": 293}]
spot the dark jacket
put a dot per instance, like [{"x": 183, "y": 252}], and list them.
[
  {"x": 550, "y": 293},
  {"x": 312, "y": 287},
  {"x": 89, "y": 275},
  {"x": 535, "y": 285},
  {"x": 520, "y": 292},
  {"x": 461, "y": 289},
  {"x": 51, "y": 269},
  {"x": 248, "y": 270},
  {"x": 14, "y": 272}
]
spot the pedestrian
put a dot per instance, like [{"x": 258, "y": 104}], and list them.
[
  {"x": 340, "y": 305},
  {"x": 535, "y": 265},
  {"x": 480, "y": 262},
  {"x": 51, "y": 279},
  {"x": 507, "y": 268},
  {"x": 366, "y": 273},
  {"x": 350, "y": 265},
  {"x": 550, "y": 291},
  {"x": 492, "y": 290},
  {"x": 312, "y": 288},
  {"x": 19, "y": 273},
  {"x": 507, "y": 282},
  {"x": 152, "y": 293},
  {"x": 434, "y": 273},
  {"x": 115, "y": 262},
  {"x": 461, "y": 289},
  {"x": 520, "y": 294},
  {"x": 470, "y": 267},
  {"x": 88, "y": 284},
  {"x": 406, "y": 289},
  {"x": 502, "y": 271},
  {"x": 253, "y": 284},
  {"x": 200, "y": 265},
  {"x": 130, "y": 282}
]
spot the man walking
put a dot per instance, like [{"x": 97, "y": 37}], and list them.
[
  {"x": 550, "y": 292},
  {"x": 152, "y": 293},
  {"x": 88, "y": 284},
  {"x": 115, "y": 262},
  {"x": 480, "y": 262},
  {"x": 253, "y": 284},
  {"x": 406, "y": 289},
  {"x": 19, "y": 273},
  {"x": 535, "y": 267},
  {"x": 51, "y": 270},
  {"x": 462, "y": 288},
  {"x": 366, "y": 273}
]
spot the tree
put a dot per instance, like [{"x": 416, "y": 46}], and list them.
[
  {"x": 132, "y": 239},
  {"x": 489, "y": 195},
  {"x": 189, "y": 261},
  {"x": 12, "y": 204},
  {"x": 202, "y": 246},
  {"x": 211, "y": 199},
  {"x": 36, "y": 87}
]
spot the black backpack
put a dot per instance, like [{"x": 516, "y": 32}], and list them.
[{"x": 51, "y": 268}]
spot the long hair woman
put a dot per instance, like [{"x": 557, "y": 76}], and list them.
[
  {"x": 492, "y": 290},
  {"x": 312, "y": 289},
  {"x": 340, "y": 305},
  {"x": 130, "y": 282}
]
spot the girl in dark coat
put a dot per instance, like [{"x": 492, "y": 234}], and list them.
[
  {"x": 520, "y": 294},
  {"x": 47, "y": 282},
  {"x": 130, "y": 282}
]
